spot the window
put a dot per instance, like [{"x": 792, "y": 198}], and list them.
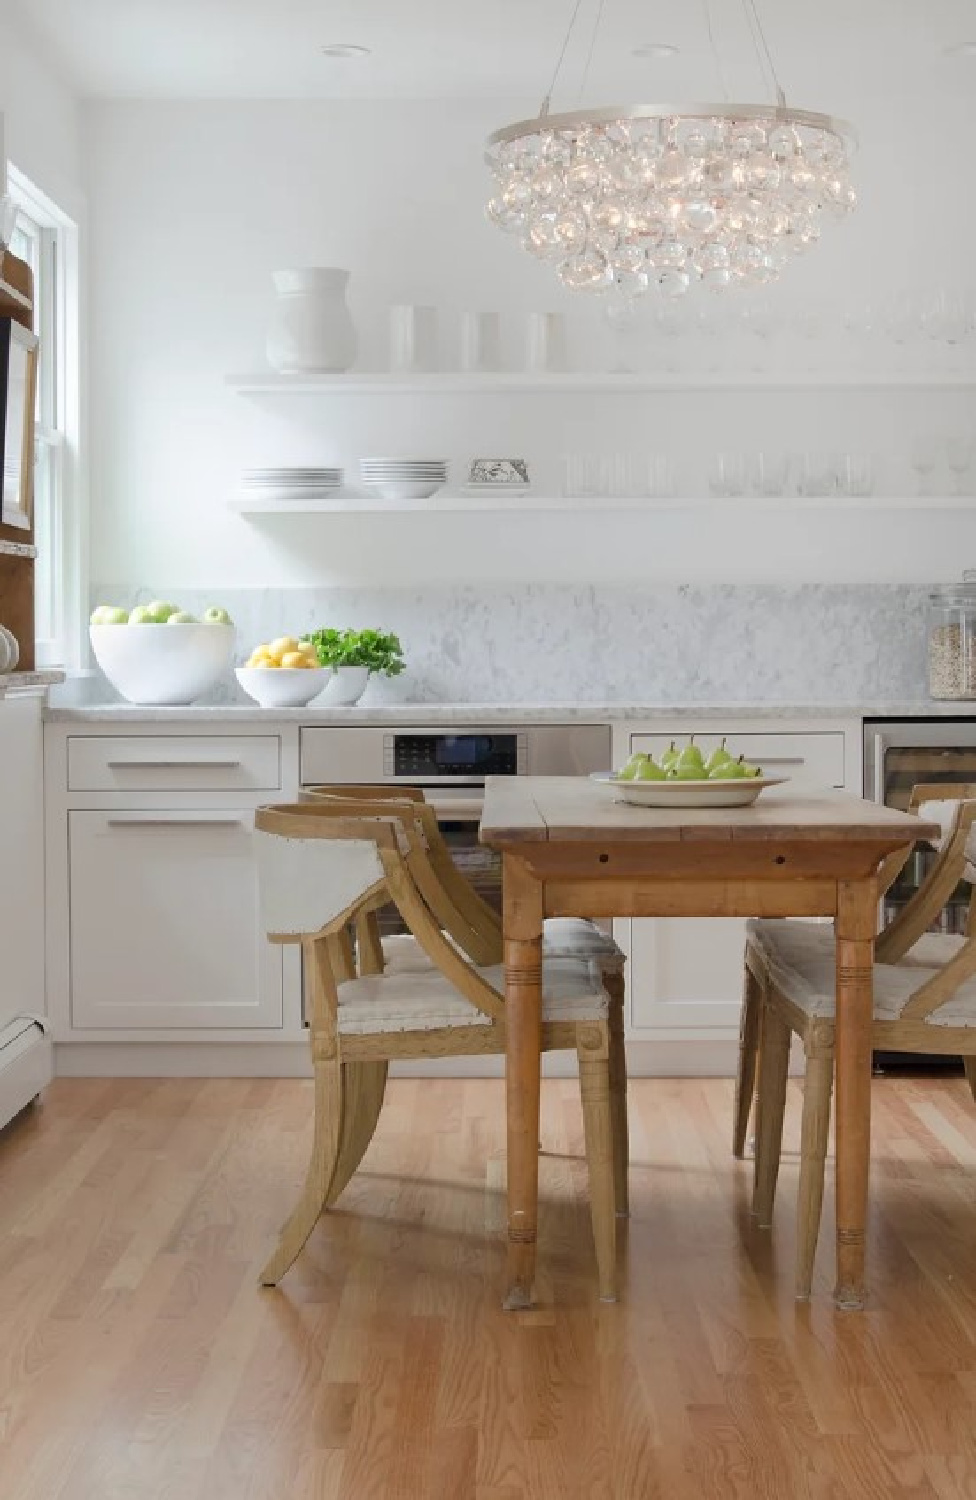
[{"x": 47, "y": 240}]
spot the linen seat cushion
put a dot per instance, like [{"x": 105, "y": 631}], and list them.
[
  {"x": 799, "y": 958},
  {"x": 562, "y": 937},
  {"x": 425, "y": 999}
]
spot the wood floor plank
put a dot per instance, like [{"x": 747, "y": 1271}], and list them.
[{"x": 139, "y": 1360}]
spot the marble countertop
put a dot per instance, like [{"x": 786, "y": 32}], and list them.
[
  {"x": 17, "y": 682},
  {"x": 492, "y": 714}
]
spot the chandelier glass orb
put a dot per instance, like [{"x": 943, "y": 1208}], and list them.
[{"x": 670, "y": 196}]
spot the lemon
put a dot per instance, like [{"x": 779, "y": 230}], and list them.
[
  {"x": 283, "y": 644},
  {"x": 294, "y": 659}
]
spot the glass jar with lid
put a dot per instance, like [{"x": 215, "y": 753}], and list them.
[{"x": 952, "y": 639}]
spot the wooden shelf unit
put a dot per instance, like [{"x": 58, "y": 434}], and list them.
[{"x": 17, "y": 552}]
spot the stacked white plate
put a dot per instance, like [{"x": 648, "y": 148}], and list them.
[
  {"x": 291, "y": 484},
  {"x": 403, "y": 478}
]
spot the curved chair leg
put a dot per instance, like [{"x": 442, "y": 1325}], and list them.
[
  {"x": 745, "y": 1079},
  {"x": 817, "y": 1086},
  {"x": 614, "y": 985},
  {"x": 321, "y": 1168},
  {"x": 772, "y": 1102},
  {"x": 969, "y": 1063},
  {"x": 363, "y": 1087},
  {"x": 592, "y": 1048}
]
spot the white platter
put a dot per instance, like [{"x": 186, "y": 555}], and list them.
[{"x": 738, "y": 793}]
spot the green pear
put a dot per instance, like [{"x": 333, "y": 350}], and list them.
[
  {"x": 630, "y": 770},
  {"x": 691, "y": 759},
  {"x": 669, "y": 756},
  {"x": 690, "y": 771},
  {"x": 719, "y": 757},
  {"x": 649, "y": 770}
]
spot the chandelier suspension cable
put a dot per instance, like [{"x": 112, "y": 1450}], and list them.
[
  {"x": 589, "y": 56},
  {"x": 544, "y": 107},
  {"x": 723, "y": 82},
  {"x": 762, "y": 50}
]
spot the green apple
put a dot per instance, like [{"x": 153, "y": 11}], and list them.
[
  {"x": 215, "y": 615},
  {"x": 182, "y": 617},
  {"x": 114, "y": 616},
  {"x": 161, "y": 611},
  {"x": 99, "y": 616},
  {"x": 143, "y": 615},
  {"x": 649, "y": 770}
]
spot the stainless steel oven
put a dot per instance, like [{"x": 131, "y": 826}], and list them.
[
  {"x": 451, "y": 766},
  {"x": 897, "y": 755}
]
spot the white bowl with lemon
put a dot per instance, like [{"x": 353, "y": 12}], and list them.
[
  {"x": 159, "y": 655},
  {"x": 285, "y": 673}
]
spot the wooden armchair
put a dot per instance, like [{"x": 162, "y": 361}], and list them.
[
  {"x": 476, "y": 929},
  {"x": 924, "y": 1001},
  {"x": 319, "y": 875}
]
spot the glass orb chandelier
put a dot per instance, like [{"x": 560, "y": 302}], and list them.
[{"x": 672, "y": 196}]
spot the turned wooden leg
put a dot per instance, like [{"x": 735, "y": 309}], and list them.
[
  {"x": 969, "y": 1063},
  {"x": 855, "y": 926},
  {"x": 615, "y": 986},
  {"x": 363, "y": 1087},
  {"x": 523, "y": 1033},
  {"x": 745, "y": 1080},
  {"x": 325, "y": 1150},
  {"x": 593, "y": 1050},
  {"x": 818, "y": 1084},
  {"x": 772, "y": 1103}
]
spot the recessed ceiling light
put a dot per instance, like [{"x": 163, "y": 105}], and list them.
[
  {"x": 345, "y": 49},
  {"x": 961, "y": 49},
  {"x": 655, "y": 49}
]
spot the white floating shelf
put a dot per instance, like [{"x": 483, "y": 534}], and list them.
[
  {"x": 17, "y": 549},
  {"x": 461, "y": 383},
  {"x": 467, "y": 504}
]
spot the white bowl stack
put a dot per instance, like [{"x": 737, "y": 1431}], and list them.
[
  {"x": 290, "y": 484},
  {"x": 403, "y": 478}
]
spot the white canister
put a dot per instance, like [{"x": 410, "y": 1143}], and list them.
[
  {"x": 545, "y": 343},
  {"x": 413, "y": 337},
  {"x": 311, "y": 328},
  {"x": 480, "y": 341}
]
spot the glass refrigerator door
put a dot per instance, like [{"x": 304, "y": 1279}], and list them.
[{"x": 904, "y": 767}]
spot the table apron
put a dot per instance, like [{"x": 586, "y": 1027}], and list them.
[
  {"x": 778, "y": 860},
  {"x": 633, "y": 897}
]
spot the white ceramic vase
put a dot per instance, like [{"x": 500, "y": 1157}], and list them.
[
  {"x": 347, "y": 686},
  {"x": 311, "y": 328}
]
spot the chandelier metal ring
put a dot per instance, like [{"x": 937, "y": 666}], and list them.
[{"x": 776, "y": 114}]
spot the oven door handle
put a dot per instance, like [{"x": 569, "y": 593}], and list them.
[{"x": 466, "y": 808}]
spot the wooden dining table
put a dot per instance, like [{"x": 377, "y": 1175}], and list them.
[{"x": 569, "y": 848}]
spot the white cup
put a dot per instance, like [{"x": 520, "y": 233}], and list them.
[
  {"x": 480, "y": 341},
  {"x": 413, "y": 337},
  {"x": 545, "y": 342}
]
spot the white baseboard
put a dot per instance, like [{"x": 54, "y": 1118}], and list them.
[{"x": 711, "y": 1058}]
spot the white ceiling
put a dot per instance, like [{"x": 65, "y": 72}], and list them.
[{"x": 827, "y": 51}]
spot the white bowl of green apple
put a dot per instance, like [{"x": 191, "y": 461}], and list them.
[
  {"x": 688, "y": 778},
  {"x": 160, "y": 655}
]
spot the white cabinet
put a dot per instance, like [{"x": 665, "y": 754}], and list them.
[
  {"x": 685, "y": 975},
  {"x": 164, "y": 928}
]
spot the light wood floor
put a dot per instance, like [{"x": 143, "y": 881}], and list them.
[{"x": 139, "y": 1360}]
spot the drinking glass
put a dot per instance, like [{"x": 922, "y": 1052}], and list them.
[
  {"x": 660, "y": 477},
  {"x": 855, "y": 477},
  {"x": 768, "y": 474},
  {"x": 727, "y": 475},
  {"x": 818, "y": 475},
  {"x": 585, "y": 476}
]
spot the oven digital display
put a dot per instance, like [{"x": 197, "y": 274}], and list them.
[{"x": 468, "y": 755}]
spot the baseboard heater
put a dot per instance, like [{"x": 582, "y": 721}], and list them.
[{"x": 26, "y": 1064}]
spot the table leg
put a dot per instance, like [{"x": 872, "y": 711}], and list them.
[
  {"x": 856, "y": 926},
  {"x": 523, "y": 1021}
]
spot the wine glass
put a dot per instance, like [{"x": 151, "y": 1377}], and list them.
[
  {"x": 959, "y": 457},
  {"x": 923, "y": 458}
]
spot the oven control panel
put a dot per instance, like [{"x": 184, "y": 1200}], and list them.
[{"x": 427, "y": 757}]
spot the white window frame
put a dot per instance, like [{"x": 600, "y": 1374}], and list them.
[{"x": 57, "y": 321}]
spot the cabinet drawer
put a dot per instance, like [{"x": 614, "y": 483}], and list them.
[
  {"x": 810, "y": 758},
  {"x": 174, "y": 763}
]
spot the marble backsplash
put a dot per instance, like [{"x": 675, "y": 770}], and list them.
[{"x": 558, "y": 643}]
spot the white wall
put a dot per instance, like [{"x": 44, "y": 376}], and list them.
[
  {"x": 193, "y": 206},
  {"x": 41, "y": 119}
]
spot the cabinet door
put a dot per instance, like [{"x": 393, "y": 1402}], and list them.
[
  {"x": 686, "y": 973},
  {"x": 164, "y": 923}
]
